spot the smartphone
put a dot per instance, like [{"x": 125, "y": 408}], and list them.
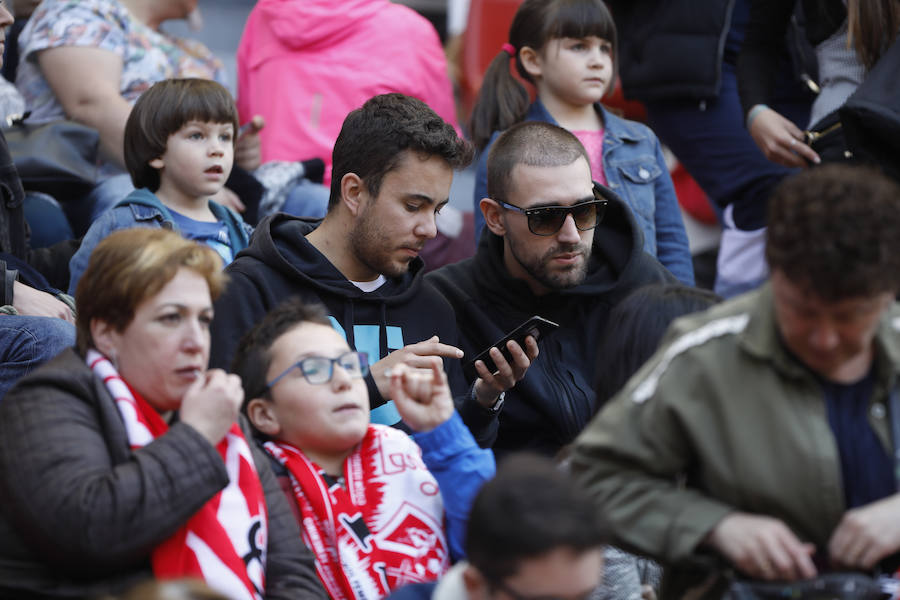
[{"x": 536, "y": 327}]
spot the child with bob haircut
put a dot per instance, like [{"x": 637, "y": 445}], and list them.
[
  {"x": 567, "y": 50},
  {"x": 379, "y": 508},
  {"x": 179, "y": 150}
]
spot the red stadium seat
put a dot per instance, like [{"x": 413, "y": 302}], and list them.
[{"x": 486, "y": 31}]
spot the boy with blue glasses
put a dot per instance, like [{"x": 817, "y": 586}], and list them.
[{"x": 377, "y": 507}]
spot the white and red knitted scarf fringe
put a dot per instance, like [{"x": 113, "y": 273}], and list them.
[
  {"x": 383, "y": 528},
  {"x": 224, "y": 543}
]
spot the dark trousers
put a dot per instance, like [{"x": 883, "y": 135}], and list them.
[{"x": 710, "y": 140}]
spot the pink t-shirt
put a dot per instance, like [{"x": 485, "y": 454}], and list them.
[{"x": 593, "y": 143}]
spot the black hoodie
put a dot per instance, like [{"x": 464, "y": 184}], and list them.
[
  {"x": 555, "y": 400},
  {"x": 280, "y": 263}
]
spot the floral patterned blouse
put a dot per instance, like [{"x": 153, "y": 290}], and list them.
[{"x": 147, "y": 55}]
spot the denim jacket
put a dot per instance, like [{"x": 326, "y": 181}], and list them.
[
  {"x": 141, "y": 208},
  {"x": 636, "y": 170}
]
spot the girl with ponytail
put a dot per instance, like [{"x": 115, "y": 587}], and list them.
[{"x": 566, "y": 50}]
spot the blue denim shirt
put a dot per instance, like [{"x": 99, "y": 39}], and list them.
[
  {"x": 141, "y": 208},
  {"x": 636, "y": 170}
]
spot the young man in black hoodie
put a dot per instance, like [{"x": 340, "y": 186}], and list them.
[
  {"x": 393, "y": 165},
  {"x": 558, "y": 246}
]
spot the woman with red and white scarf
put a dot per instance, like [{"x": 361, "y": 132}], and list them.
[{"x": 124, "y": 459}]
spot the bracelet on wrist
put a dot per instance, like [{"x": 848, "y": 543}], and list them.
[{"x": 498, "y": 404}]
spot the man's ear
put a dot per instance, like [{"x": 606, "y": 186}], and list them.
[
  {"x": 352, "y": 191},
  {"x": 531, "y": 60},
  {"x": 105, "y": 338},
  {"x": 157, "y": 163},
  {"x": 491, "y": 211},
  {"x": 475, "y": 583},
  {"x": 261, "y": 413}
]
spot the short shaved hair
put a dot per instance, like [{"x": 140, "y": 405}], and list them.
[{"x": 531, "y": 143}]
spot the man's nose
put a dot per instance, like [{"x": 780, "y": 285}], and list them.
[
  {"x": 427, "y": 226},
  {"x": 823, "y": 337},
  {"x": 569, "y": 233}
]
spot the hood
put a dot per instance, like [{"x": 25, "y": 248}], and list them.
[
  {"x": 617, "y": 260},
  {"x": 279, "y": 242},
  {"x": 308, "y": 25}
]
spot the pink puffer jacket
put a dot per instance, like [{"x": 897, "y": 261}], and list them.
[{"x": 305, "y": 64}]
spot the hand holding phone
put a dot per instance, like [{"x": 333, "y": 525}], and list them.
[{"x": 536, "y": 327}]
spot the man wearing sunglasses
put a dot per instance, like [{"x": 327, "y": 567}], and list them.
[{"x": 558, "y": 246}]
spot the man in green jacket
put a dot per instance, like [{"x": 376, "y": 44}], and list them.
[{"x": 775, "y": 407}]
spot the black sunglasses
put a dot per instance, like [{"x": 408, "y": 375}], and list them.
[{"x": 547, "y": 220}]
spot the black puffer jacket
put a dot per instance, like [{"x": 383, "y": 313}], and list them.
[
  {"x": 80, "y": 512},
  {"x": 671, "y": 49},
  {"x": 764, "y": 42}
]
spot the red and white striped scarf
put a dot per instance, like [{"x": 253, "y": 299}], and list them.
[
  {"x": 379, "y": 531},
  {"x": 224, "y": 543}
]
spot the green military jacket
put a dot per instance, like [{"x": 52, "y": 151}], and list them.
[{"x": 723, "y": 418}]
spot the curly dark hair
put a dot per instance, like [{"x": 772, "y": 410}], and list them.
[
  {"x": 835, "y": 229},
  {"x": 375, "y": 138}
]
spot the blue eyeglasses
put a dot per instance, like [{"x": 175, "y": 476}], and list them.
[{"x": 320, "y": 369}]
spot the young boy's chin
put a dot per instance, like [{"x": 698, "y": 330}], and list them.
[
  {"x": 337, "y": 437},
  {"x": 353, "y": 432}
]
